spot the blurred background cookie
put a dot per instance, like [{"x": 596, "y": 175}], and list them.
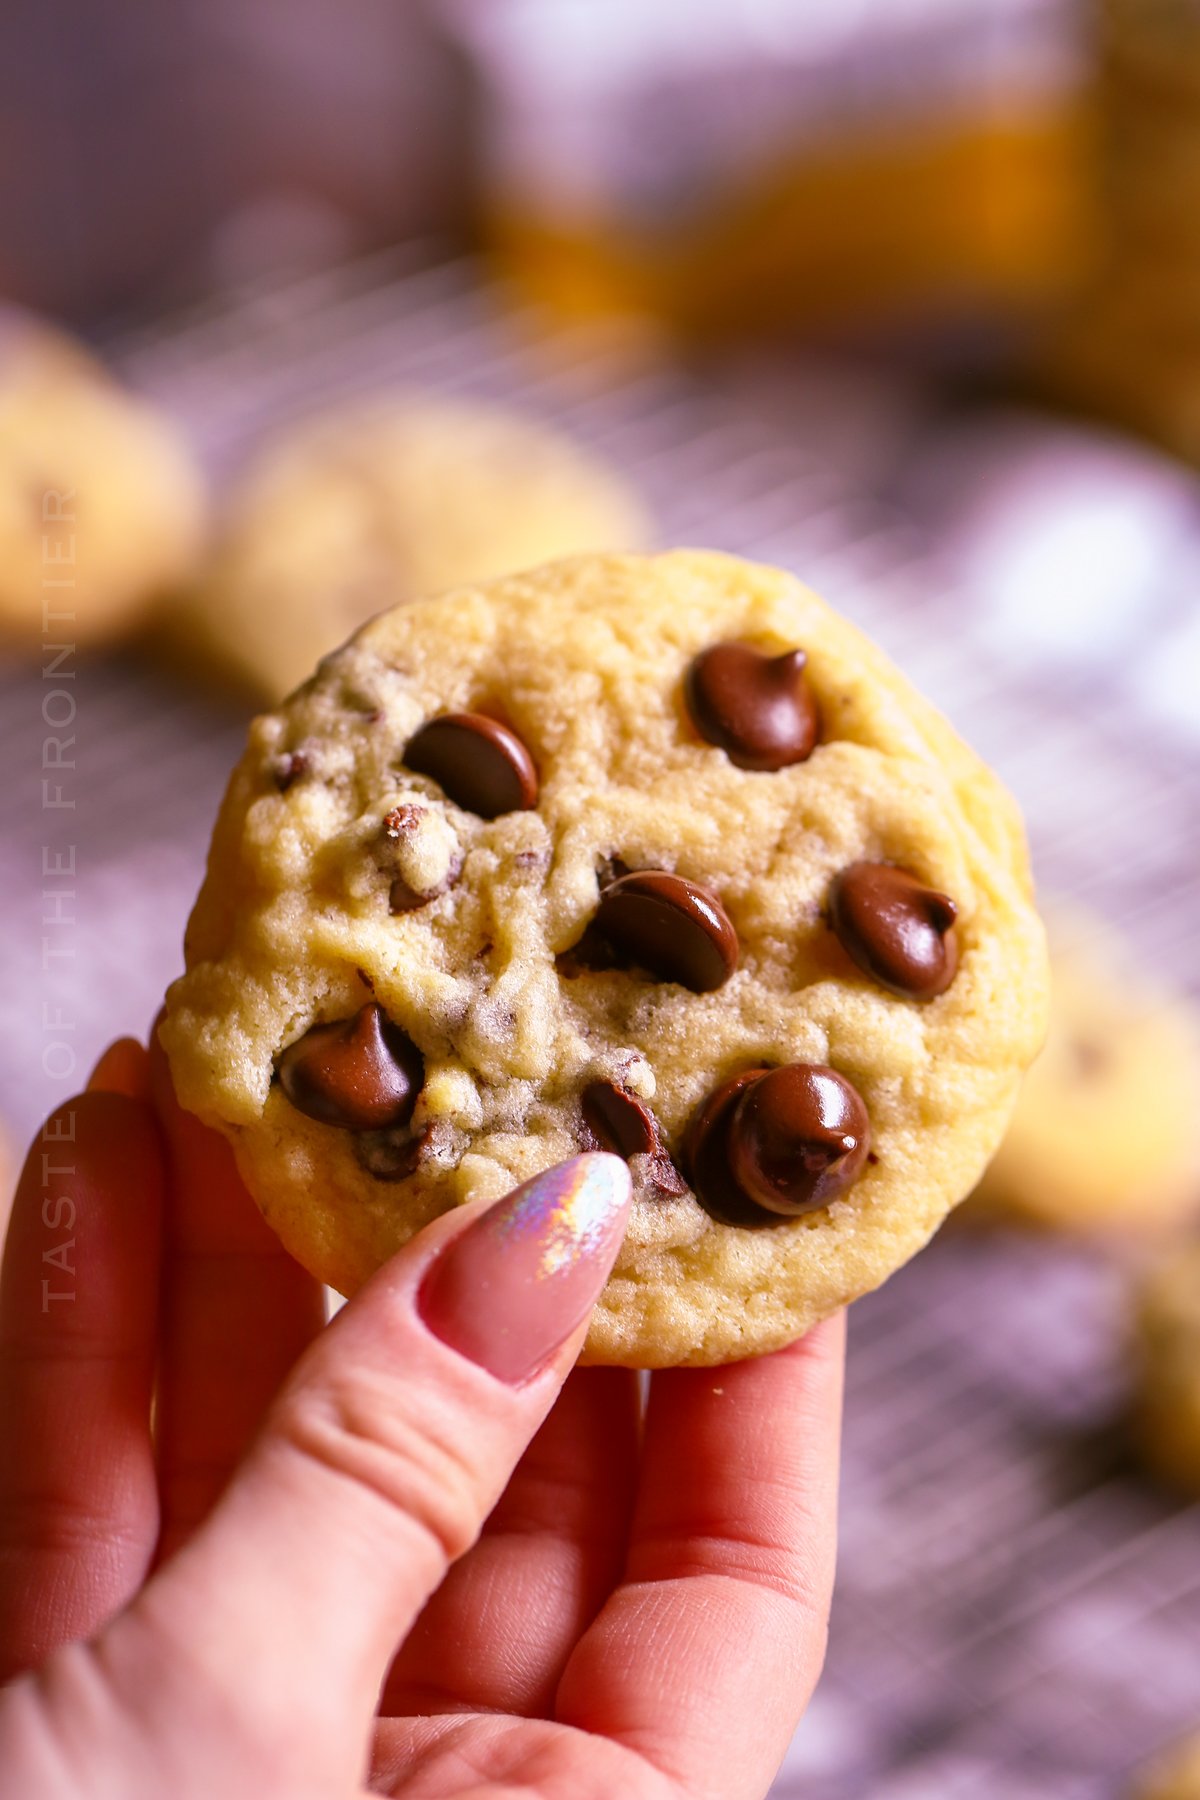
[
  {"x": 101, "y": 506},
  {"x": 380, "y": 502},
  {"x": 1106, "y": 1133},
  {"x": 1166, "y": 1411}
]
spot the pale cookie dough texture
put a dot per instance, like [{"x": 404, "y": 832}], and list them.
[
  {"x": 101, "y": 506},
  {"x": 1106, "y": 1134},
  {"x": 370, "y": 505},
  {"x": 588, "y": 662},
  {"x": 1167, "y": 1369}
]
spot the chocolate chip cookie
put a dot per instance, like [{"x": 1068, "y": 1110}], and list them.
[
  {"x": 658, "y": 855},
  {"x": 101, "y": 506},
  {"x": 371, "y": 504}
]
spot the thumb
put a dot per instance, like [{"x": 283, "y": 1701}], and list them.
[{"x": 387, "y": 1448}]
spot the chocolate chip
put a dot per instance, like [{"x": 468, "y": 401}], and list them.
[
  {"x": 774, "y": 1143},
  {"x": 591, "y": 952},
  {"x": 362, "y": 1073},
  {"x": 706, "y": 1159},
  {"x": 896, "y": 929},
  {"x": 402, "y": 898},
  {"x": 481, "y": 765},
  {"x": 399, "y": 827},
  {"x": 676, "y": 929},
  {"x": 759, "y": 709},
  {"x": 660, "y": 1176},
  {"x": 289, "y": 767},
  {"x": 610, "y": 869},
  {"x": 617, "y": 1120},
  {"x": 392, "y": 1155},
  {"x": 797, "y": 1138},
  {"x": 402, "y": 821}
]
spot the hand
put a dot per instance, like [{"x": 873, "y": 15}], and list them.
[{"x": 410, "y": 1552}]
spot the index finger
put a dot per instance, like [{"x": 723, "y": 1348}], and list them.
[
  {"x": 706, "y": 1655},
  {"x": 237, "y": 1312}
]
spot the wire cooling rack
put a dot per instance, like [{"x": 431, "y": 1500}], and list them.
[{"x": 1017, "y": 1614}]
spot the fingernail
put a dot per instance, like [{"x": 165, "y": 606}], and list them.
[{"x": 519, "y": 1280}]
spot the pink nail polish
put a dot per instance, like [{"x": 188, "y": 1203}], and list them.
[{"x": 521, "y": 1278}]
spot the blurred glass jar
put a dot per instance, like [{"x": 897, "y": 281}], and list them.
[
  {"x": 157, "y": 151},
  {"x": 812, "y": 163},
  {"x": 1132, "y": 350}
]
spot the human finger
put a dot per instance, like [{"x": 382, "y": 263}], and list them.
[
  {"x": 237, "y": 1312},
  {"x": 123, "y": 1068},
  {"x": 386, "y": 1450},
  {"x": 498, "y": 1632},
  {"x": 78, "y": 1302},
  {"x": 705, "y": 1656}
]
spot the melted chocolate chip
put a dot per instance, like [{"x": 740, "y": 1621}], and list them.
[
  {"x": 361, "y": 1073},
  {"x": 774, "y": 1143},
  {"x": 706, "y": 1157},
  {"x": 676, "y": 929},
  {"x": 797, "y": 1138},
  {"x": 392, "y": 1155},
  {"x": 403, "y": 899},
  {"x": 610, "y": 869},
  {"x": 661, "y": 1177},
  {"x": 617, "y": 1120},
  {"x": 481, "y": 765},
  {"x": 591, "y": 952},
  {"x": 400, "y": 823},
  {"x": 759, "y": 709},
  {"x": 897, "y": 930}
]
